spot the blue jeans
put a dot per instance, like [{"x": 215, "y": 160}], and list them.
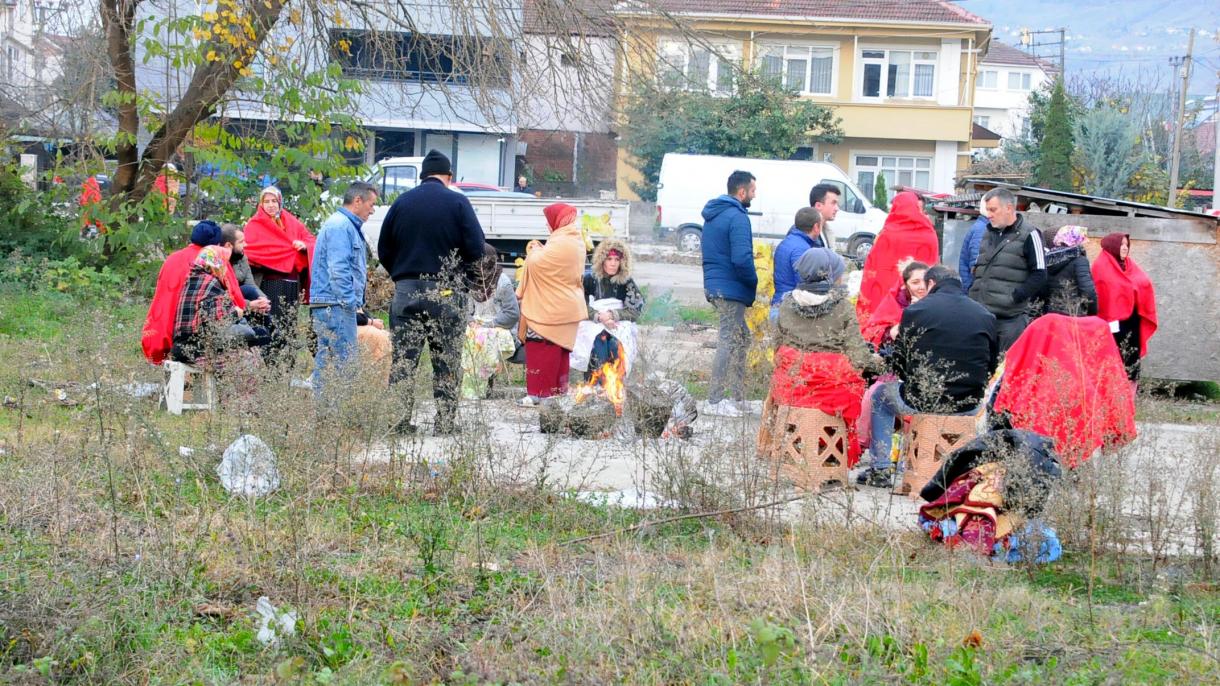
[
  {"x": 887, "y": 405},
  {"x": 335, "y": 327}
]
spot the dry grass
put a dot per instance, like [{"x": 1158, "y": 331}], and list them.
[{"x": 123, "y": 561}]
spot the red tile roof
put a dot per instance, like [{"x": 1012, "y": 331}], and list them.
[
  {"x": 1000, "y": 53},
  {"x": 913, "y": 11}
]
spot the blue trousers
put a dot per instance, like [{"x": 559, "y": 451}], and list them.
[{"x": 335, "y": 327}]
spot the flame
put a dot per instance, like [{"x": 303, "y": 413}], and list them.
[{"x": 608, "y": 381}]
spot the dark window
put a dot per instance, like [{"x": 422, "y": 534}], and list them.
[
  {"x": 872, "y": 80},
  {"x": 421, "y": 57}
]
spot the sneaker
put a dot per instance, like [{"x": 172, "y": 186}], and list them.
[
  {"x": 724, "y": 408},
  {"x": 528, "y": 401},
  {"x": 876, "y": 478}
]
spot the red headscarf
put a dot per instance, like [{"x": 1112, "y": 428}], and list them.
[
  {"x": 1064, "y": 378},
  {"x": 1124, "y": 288},
  {"x": 907, "y": 233},
  {"x": 888, "y": 313},
  {"x": 559, "y": 215}
]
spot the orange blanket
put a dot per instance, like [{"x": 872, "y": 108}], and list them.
[{"x": 552, "y": 295}]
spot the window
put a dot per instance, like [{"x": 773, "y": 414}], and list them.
[
  {"x": 986, "y": 80},
  {"x": 808, "y": 70},
  {"x": 982, "y": 121},
  {"x": 696, "y": 67},
  {"x": 1018, "y": 81},
  {"x": 398, "y": 179},
  {"x": 848, "y": 201},
  {"x": 898, "y": 73},
  {"x": 908, "y": 171},
  {"x": 405, "y": 56}
]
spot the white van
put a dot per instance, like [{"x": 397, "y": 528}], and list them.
[{"x": 687, "y": 182}]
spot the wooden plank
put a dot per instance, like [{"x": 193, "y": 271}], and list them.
[{"x": 1202, "y": 230}]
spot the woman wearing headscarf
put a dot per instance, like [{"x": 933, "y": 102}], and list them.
[
  {"x": 1125, "y": 299},
  {"x": 615, "y": 303},
  {"x": 552, "y": 303},
  {"x": 821, "y": 353},
  {"x": 907, "y": 235},
  {"x": 1069, "y": 283},
  {"x": 280, "y": 250},
  {"x": 208, "y": 322},
  {"x": 882, "y": 327}
]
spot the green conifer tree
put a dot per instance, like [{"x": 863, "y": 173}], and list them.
[
  {"x": 1054, "y": 168},
  {"x": 881, "y": 196}
]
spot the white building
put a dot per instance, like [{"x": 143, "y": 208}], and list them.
[
  {"x": 31, "y": 46},
  {"x": 1005, "y": 78}
]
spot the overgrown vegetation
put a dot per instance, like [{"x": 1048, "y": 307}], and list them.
[
  {"x": 122, "y": 559},
  {"x": 762, "y": 119}
]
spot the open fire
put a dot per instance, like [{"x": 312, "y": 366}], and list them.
[{"x": 607, "y": 382}]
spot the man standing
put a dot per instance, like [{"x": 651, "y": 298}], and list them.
[
  {"x": 970, "y": 248},
  {"x": 805, "y": 233},
  {"x": 1011, "y": 266},
  {"x": 430, "y": 241},
  {"x": 730, "y": 283},
  {"x": 339, "y": 273},
  {"x": 944, "y": 354},
  {"x": 824, "y": 198}
]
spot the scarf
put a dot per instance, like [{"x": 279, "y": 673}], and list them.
[
  {"x": 559, "y": 215},
  {"x": 157, "y": 336},
  {"x": 1071, "y": 236},
  {"x": 269, "y": 245},
  {"x": 1124, "y": 289}
]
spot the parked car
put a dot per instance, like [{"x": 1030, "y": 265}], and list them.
[{"x": 687, "y": 182}]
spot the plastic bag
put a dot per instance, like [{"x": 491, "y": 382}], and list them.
[
  {"x": 273, "y": 623},
  {"x": 248, "y": 467}
]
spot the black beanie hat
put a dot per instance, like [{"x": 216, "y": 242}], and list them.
[
  {"x": 206, "y": 233},
  {"x": 435, "y": 162}
]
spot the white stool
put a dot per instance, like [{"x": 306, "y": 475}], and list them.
[{"x": 203, "y": 387}]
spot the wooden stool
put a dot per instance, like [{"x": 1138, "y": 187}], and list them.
[
  {"x": 181, "y": 379},
  {"x": 808, "y": 446},
  {"x": 930, "y": 438}
]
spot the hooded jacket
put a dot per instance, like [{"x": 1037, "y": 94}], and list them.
[
  {"x": 787, "y": 253},
  {"x": 598, "y": 285},
  {"x": 1069, "y": 283},
  {"x": 728, "y": 251}
]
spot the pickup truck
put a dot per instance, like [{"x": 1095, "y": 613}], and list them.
[{"x": 509, "y": 220}]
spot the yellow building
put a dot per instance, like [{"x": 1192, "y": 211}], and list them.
[{"x": 900, "y": 75}]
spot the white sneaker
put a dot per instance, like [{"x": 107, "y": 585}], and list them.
[
  {"x": 724, "y": 408},
  {"x": 527, "y": 401}
]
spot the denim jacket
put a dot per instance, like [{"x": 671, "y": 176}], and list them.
[{"x": 340, "y": 263}]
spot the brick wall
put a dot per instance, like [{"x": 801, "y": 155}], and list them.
[{"x": 580, "y": 164}]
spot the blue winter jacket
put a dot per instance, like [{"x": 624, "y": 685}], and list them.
[
  {"x": 787, "y": 253},
  {"x": 340, "y": 263},
  {"x": 728, "y": 251},
  {"x": 970, "y": 252}
]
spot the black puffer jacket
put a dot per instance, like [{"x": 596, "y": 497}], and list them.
[
  {"x": 1031, "y": 463},
  {"x": 1069, "y": 283},
  {"x": 945, "y": 351}
]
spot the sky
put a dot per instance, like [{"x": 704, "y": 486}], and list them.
[{"x": 1133, "y": 37}]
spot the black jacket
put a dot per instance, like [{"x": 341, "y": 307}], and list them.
[
  {"x": 426, "y": 228},
  {"x": 1069, "y": 283},
  {"x": 946, "y": 350},
  {"x": 1032, "y": 466},
  {"x": 1010, "y": 270}
]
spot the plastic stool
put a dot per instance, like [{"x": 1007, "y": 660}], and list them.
[
  {"x": 202, "y": 387},
  {"x": 808, "y": 446}
]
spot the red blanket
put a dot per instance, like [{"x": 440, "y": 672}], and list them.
[
  {"x": 158, "y": 335},
  {"x": 1120, "y": 292},
  {"x": 1064, "y": 378},
  {"x": 269, "y": 246},
  {"x": 888, "y": 313},
  {"x": 907, "y": 233},
  {"x": 822, "y": 381}
]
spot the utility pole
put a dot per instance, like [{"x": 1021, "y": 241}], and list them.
[
  {"x": 1029, "y": 41},
  {"x": 1216, "y": 139},
  {"x": 1176, "y": 155}
]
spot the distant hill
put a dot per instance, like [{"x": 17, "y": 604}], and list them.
[{"x": 1134, "y": 37}]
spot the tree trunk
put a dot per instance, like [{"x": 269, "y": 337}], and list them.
[{"x": 209, "y": 84}]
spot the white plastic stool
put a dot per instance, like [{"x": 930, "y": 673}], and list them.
[{"x": 203, "y": 387}]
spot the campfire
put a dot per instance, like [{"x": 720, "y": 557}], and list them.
[{"x": 593, "y": 408}]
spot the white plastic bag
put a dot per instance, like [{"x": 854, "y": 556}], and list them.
[
  {"x": 248, "y": 467},
  {"x": 272, "y": 623}
]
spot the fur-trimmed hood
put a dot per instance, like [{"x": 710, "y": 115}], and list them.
[{"x": 599, "y": 258}]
